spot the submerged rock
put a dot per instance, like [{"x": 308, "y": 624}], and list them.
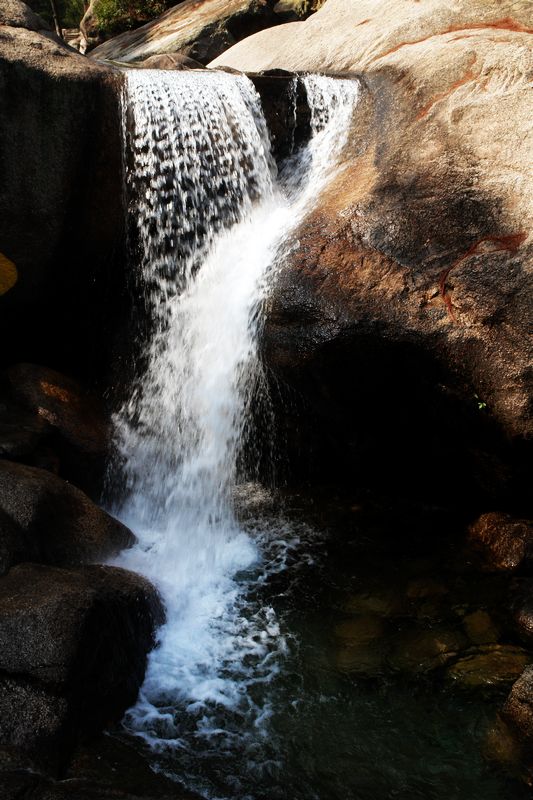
[
  {"x": 501, "y": 744},
  {"x": 48, "y": 520},
  {"x": 73, "y": 646},
  {"x": 500, "y": 543},
  {"x": 360, "y": 630},
  {"x": 489, "y": 666},
  {"x": 382, "y": 602},
  {"x": 480, "y": 628},
  {"x": 424, "y": 650}
]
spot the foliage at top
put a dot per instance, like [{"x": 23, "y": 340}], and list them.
[
  {"x": 114, "y": 16},
  {"x": 70, "y": 11}
]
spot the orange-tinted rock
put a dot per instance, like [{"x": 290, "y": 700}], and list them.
[
  {"x": 74, "y": 416},
  {"x": 500, "y": 543}
]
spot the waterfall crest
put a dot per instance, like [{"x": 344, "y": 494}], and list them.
[{"x": 209, "y": 217}]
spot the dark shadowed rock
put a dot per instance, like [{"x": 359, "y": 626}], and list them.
[
  {"x": 521, "y": 608},
  {"x": 499, "y": 543},
  {"x": 59, "y": 524},
  {"x": 74, "y": 419},
  {"x": 490, "y": 666},
  {"x": 518, "y": 708},
  {"x": 61, "y": 218},
  {"x": 72, "y": 653},
  {"x": 15, "y": 544}
]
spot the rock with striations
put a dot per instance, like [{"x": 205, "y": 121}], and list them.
[
  {"x": 45, "y": 519},
  {"x": 414, "y": 268},
  {"x": 73, "y": 653},
  {"x": 199, "y": 30}
]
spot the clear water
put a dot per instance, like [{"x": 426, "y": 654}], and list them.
[{"x": 241, "y": 699}]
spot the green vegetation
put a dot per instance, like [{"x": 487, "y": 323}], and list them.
[
  {"x": 119, "y": 15},
  {"x": 70, "y": 11}
]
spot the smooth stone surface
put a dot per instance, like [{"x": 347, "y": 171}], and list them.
[
  {"x": 61, "y": 525},
  {"x": 73, "y": 647},
  {"x": 423, "y": 650},
  {"x": 490, "y": 666},
  {"x": 480, "y": 628},
  {"x": 382, "y": 602},
  {"x": 421, "y": 588},
  {"x": 360, "y": 630},
  {"x": 199, "y": 30}
]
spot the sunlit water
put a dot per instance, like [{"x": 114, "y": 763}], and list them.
[
  {"x": 240, "y": 700},
  {"x": 209, "y": 216}
]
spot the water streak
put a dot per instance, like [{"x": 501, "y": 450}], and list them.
[{"x": 209, "y": 220}]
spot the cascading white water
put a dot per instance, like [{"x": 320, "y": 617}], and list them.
[{"x": 209, "y": 217}]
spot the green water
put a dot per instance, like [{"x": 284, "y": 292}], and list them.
[{"x": 374, "y": 717}]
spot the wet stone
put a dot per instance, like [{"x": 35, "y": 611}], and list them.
[
  {"x": 480, "y": 628},
  {"x": 360, "y": 630},
  {"x": 421, "y": 588},
  {"x": 421, "y": 650},
  {"x": 382, "y": 603},
  {"x": 489, "y": 666}
]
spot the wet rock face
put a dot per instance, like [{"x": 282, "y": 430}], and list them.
[
  {"x": 46, "y": 519},
  {"x": 73, "y": 651}
]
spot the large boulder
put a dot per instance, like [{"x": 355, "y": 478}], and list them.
[
  {"x": 45, "y": 519},
  {"x": 73, "y": 646},
  {"x": 61, "y": 217},
  {"x": 199, "y": 30},
  {"x": 407, "y": 303}
]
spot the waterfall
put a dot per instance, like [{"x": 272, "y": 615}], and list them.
[{"x": 208, "y": 217}]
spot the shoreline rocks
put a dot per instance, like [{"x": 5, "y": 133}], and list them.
[
  {"x": 51, "y": 521},
  {"x": 73, "y": 652}
]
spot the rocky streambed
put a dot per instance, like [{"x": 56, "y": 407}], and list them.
[{"x": 399, "y": 370}]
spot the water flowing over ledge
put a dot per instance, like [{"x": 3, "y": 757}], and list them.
[{"x": 209, "y": 216}]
